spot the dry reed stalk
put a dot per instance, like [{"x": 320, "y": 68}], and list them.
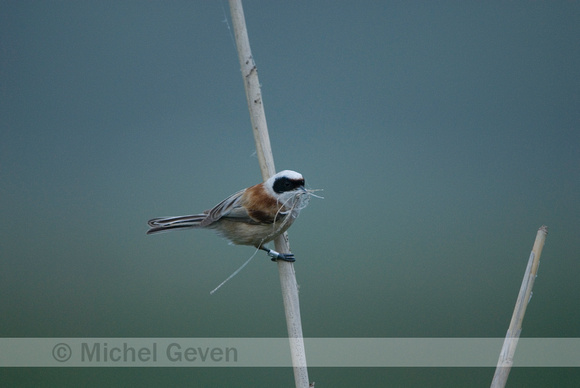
[
  {"x": 506, "y": 356},
  {"x": 266, "y": 160}
]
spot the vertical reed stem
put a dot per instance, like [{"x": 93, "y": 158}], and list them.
[
  {"x": 266, "y": 160},
  {"x": 506, "y": 356}
]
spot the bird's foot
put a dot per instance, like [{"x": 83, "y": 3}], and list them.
[{"x": 289, "y": 257}]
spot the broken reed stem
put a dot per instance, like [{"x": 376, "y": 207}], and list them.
[
  {"x": 266, "y": 160},
  {"x": 506, "y": 356}
]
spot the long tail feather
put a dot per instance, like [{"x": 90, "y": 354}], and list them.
[{"x": 168, "y": 223}]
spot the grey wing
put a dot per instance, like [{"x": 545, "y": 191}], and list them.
[{"x": 230, "y": 208}]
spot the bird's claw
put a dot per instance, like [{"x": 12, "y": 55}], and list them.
[{"x": 289, "y": 257}]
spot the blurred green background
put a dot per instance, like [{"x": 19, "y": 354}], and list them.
[{"x": 444, "y": 134}]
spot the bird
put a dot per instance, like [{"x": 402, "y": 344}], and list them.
[{"x": 253, "y": 216}]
